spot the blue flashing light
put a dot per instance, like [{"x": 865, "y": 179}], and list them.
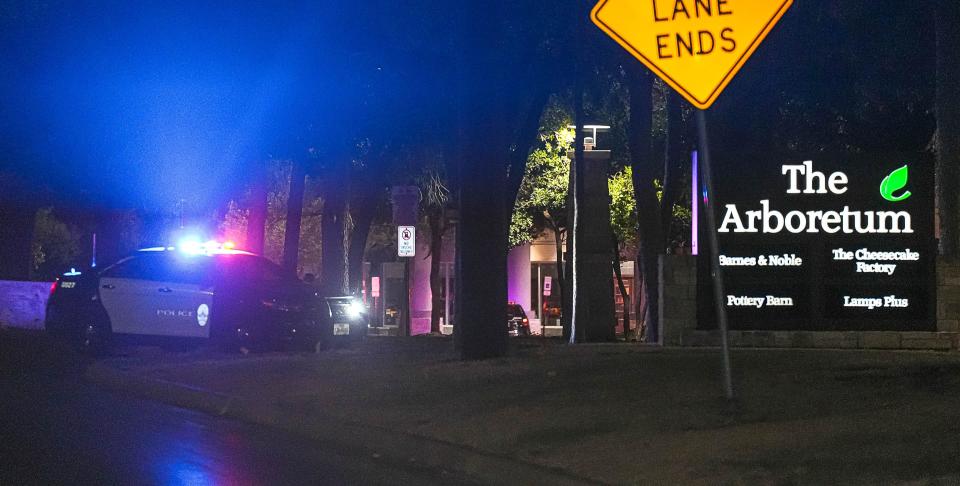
[
  {"x": 190, "y": 246},
  {"x": 72, "y": 273}
]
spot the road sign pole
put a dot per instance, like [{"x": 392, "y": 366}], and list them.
[
  {"x": 716, "y": 271},
  {"x": 405, "y": 323}
]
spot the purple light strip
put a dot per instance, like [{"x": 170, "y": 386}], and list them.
[{"x": 695, "y": 206}]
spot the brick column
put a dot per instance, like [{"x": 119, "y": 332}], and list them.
[{"x": 948, "y": 296}]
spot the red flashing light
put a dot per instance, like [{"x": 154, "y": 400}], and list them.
[
  {"x": 212, "y": 247},
  {"x": 53, "y": 287}
]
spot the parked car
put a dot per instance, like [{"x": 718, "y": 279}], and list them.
[
  {"x": 517, "y": 322},
  {"x": 200, "y": 293}
]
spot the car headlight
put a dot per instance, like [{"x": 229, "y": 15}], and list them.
[{"x": 355, "y": 309}]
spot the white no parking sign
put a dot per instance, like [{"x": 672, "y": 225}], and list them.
[{"x": 406, "y": 241}]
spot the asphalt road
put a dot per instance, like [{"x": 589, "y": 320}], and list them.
[{"x": 55, "y": 429}]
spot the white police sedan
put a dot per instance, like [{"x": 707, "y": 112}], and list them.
[{"x": 201, "y": 293}]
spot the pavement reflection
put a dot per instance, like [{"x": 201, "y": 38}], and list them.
[{"x": 55, "y": 429}]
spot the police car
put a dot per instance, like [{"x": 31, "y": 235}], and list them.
[{"x": 198, "y": 292}]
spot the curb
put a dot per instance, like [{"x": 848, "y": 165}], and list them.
[{"x": 398, "y": 447}]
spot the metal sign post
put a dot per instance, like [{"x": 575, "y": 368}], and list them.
[
  {"x": 406, "y": 249},
  {"x": 716, "y": 271}
]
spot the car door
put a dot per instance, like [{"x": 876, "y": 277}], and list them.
[
  {"x": 250, "y": 289},
  {"x": 128, "y": 293}
]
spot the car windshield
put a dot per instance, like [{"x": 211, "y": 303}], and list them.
[
  {"x": 164, "y": 267},
  {"x": 249, "y": 269},
  {"x": 514, "y": 310}
]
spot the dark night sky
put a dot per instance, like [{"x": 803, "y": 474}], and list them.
[{"x": 139, "y": 104}]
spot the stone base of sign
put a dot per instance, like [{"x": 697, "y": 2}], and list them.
[
  {"x": 942, "y": 341},
  {"x": 678, "y": 297},
  {"x": 678, "y": 313}
]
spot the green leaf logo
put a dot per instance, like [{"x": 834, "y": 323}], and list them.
[{"x": 894, "y": 182}]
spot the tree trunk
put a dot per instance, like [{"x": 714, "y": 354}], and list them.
[
  {"x": 483, "y": 105},
  {"x": 650, "y": 232},
  {"x": 257, "y": 216},
  {"x": 561, "y": 271},
  {"x": 482, "y": 256},
  {"x": 346, "y": 230},
  {"x": 437, "y": 228},
  {"x": 622, "y": 288},
  {"x": 642, "y": 303},
  {"x": 16, "y": 240},
  {"x": 291, "y": 237},
  {"x": 332, "y": 232},
  {"x": 526, "y": 138},
  {"x": 362, "y": 220},
  {"x": 948, "y": 125},
  {"x": 674, "y": 157}
]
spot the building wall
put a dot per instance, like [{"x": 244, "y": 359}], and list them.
[{"x": 518, "y": 277}]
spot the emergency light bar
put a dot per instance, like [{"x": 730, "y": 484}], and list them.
[{"x": 194, "y": 247}]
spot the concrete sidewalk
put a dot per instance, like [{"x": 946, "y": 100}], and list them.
[{"x": 556, "y": 414}]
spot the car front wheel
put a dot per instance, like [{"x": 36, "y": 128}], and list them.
[{"x": 94, "y": 338}]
